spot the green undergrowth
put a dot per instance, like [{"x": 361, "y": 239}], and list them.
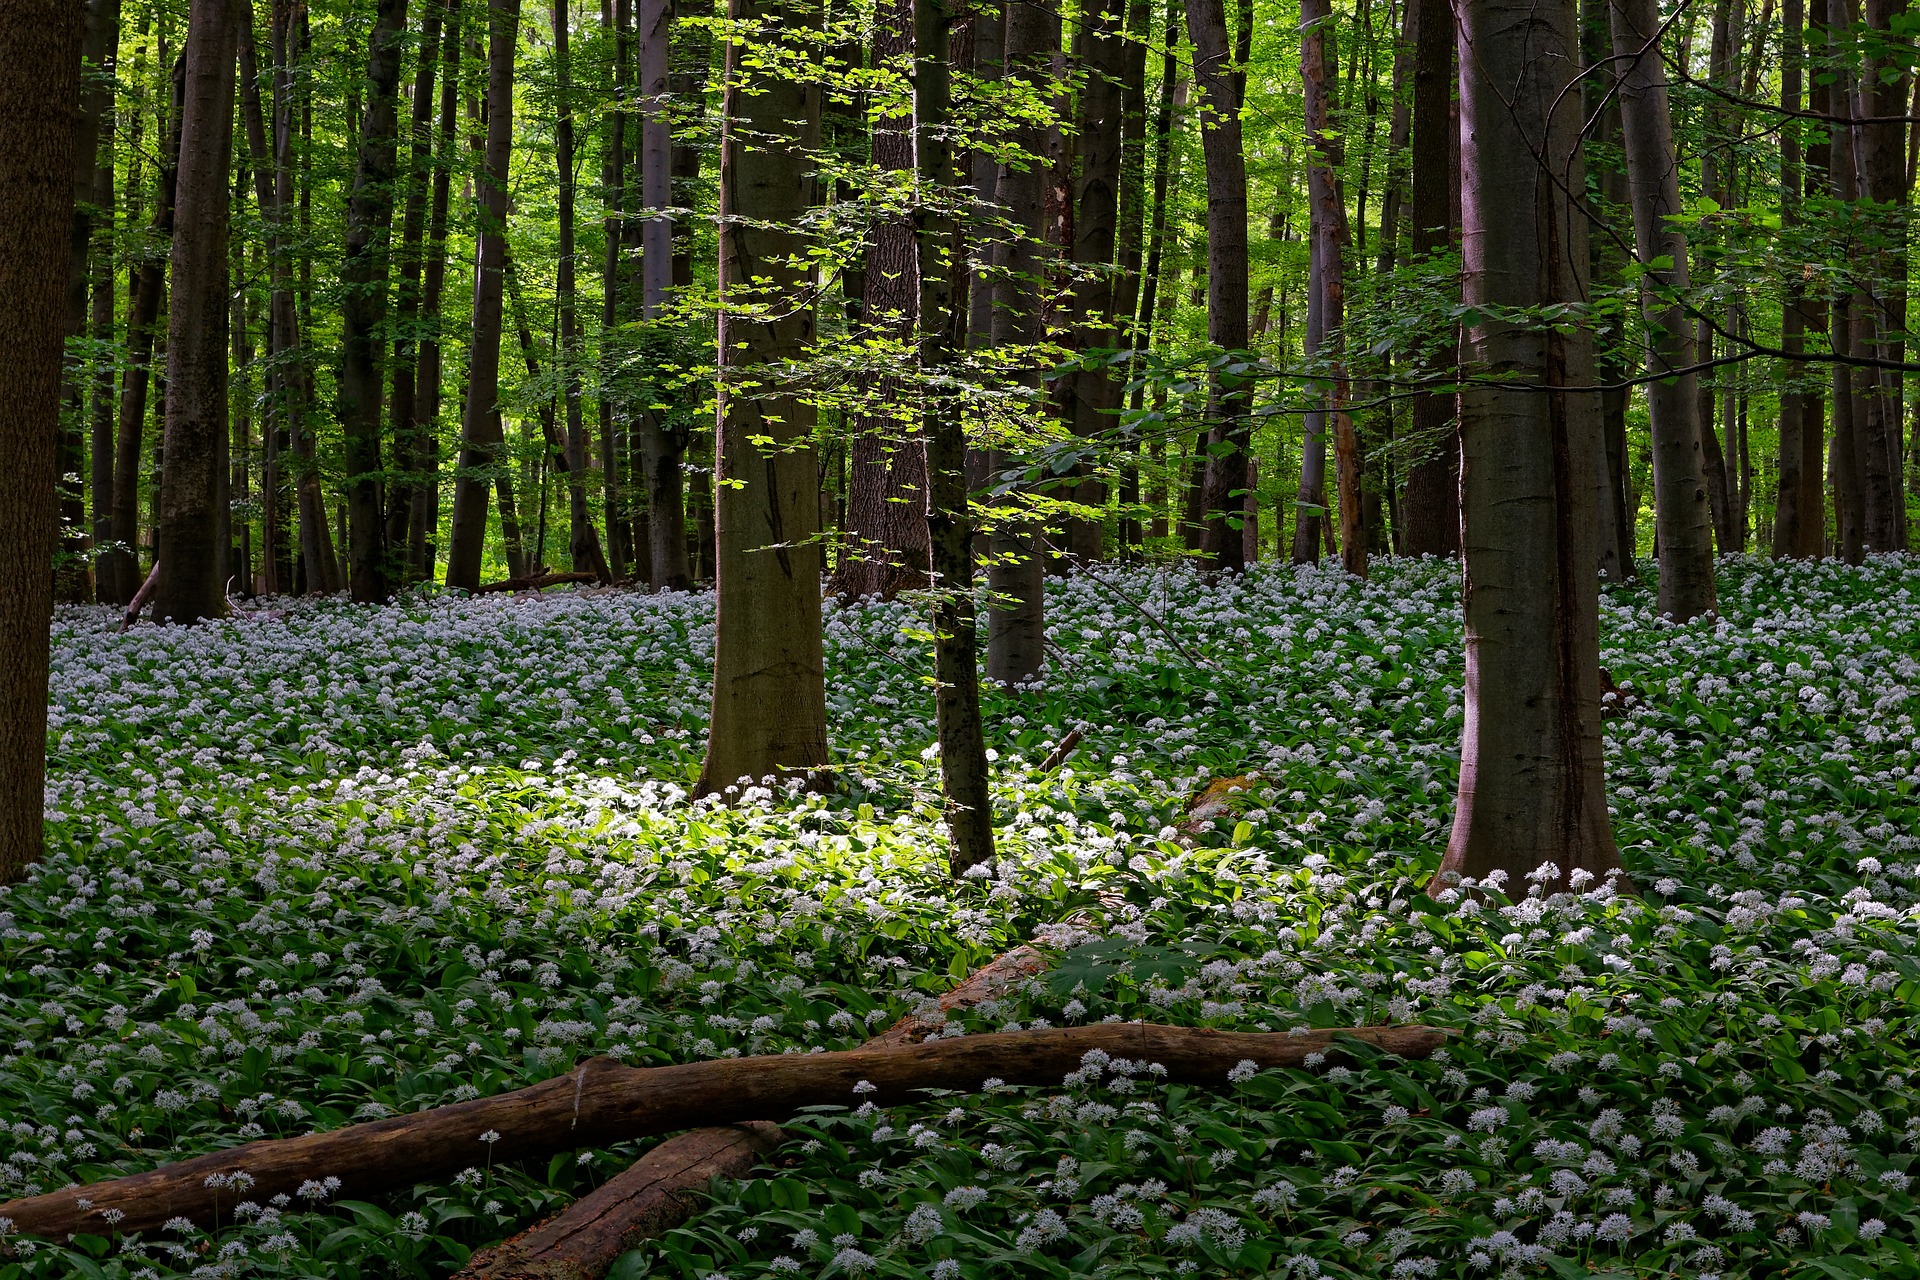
[{"x": 339, "y": 863}]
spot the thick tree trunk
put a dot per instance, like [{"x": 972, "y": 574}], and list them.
[
  {"x": 363, "y": 309},
  {"x": 1683, "y": 517},
  {"x": 480, "y": 436},
  {"x": 1230, "y": 398},
  {"x": 601, "y": 1102},
  {"x": 1882, "y": 95},
  {"x": 192, "y": 517},
  {"x": 39, "y": 99},
  {"x": 1532, "y": 783},
  {"x": 769, "y": 680},
  {"x": 886, "y": 549},
  {"x": 583, "y": 540},
  {"x": 1432, "y": 502},
  {"x": 1016, "y": 614}
]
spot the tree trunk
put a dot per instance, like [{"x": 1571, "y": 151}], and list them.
[
  {"x": 1882, "y": 94},
  {"x": 1329, "y": 216},
  {"x": 1230, "y": 428},
  {"x": 192, "y": 518},
  {"x": 363, "y": 309},
  {"x": 480, "y": 436},
  {"x": 423, "y": 512},
  {"x": 885, "y": 548},
  {"x": 1016, "y": 616},
  {"x": 662, "y": 445},
  {"x": 1432, "y": 503},
  {"x": 617, "y": 17},
  {"x": 405, "y": 490},
  {"x": 1683, "y": 517},
  {"x": 39, "y": 99},
  {"x": 1791, "y": 510},
  {"x": 1091, "y": 393},
  {"x": 769, "y": 681},
  {"x": 1532, "y": 783},
  {"x": 583, "y": 540}
]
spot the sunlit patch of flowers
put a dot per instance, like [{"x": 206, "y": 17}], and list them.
[{"x": 337, "y": 864}]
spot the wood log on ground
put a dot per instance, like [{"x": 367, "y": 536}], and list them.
[
  {"x": 661, "y": 1189},
  {"x": 537, "y": 582},
  {"x": 140, "y": 597},
  {"x": 601, "y": 1102}
]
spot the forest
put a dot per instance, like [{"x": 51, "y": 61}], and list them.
[{"x": 959, "y": 639}]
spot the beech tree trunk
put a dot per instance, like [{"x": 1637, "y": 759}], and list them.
[
  {"x": 769, "y": 669},
  {"x": 1797, "y": 504},
  {"x": 601, "y": 1102},
  {"x": 1016, "y": 614},
  {"x": 583, "y": 540},
  {"x": 1431, "y": 507},
  {"x": 1230, "y": 399},
  {"x": 405, "y": 488},
  {"x": 192, "y": 509},
  {"x": 885, "y": 531},
  {"x": 1532, "y": 784},
  {"x": 363, "y": 309},
  {"x": 481, "y": 439},
  {"x": 1881, "y": 100},
  {"x": 662, "y": 445},
  {"x": 942, "y": 275},
  {"x": 1682, "y": 514},
  {"x": 1329, "y": 217},
  {"x": 423, "y": 513},
  {"x": 616, "y": 16},
  {"x": 39, "y": 99}
]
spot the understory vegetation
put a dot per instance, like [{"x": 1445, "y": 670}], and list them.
[{"x": 332, "y": 862}]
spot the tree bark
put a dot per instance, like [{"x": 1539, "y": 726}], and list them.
[
  {"x": 885, "y": 549},
  {"x": 601, "y": 1102},
  {"x": 363, "y": 309},
  {"x": 1230, "y": 398},
  {"x": 1016, "y": 614},
  {"x": 1532, "y": 784},
  {"x": 39, "y": 101},
  {"x": 1683, "y": 516},
  {"x": 192, "y": 516},
  {"x": 405, "y": 488},
  {"x": 1329, "y": 217},
  {"x": 1792, "y": 511},
  {"x": 481, "y": 439},
  {"x": 583, "y": 540},
  {"x": 617, "y": 17},
  {"x": 769, "y": 681},
  {"x": 942, "y": 275},
  {"x": 1432, "y": 503},
  {"x": 423, "y": 513},
  {"x": 1884, "y": 186}
]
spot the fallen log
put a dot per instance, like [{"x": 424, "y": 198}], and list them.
[
  {"x": 140, "y": 597},
  {"x": 538, "y": 582},
  {"x": 662, "y": 1189},
  {"x": 601, "y": 1102}
]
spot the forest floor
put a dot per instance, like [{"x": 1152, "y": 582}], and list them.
[{"x": 333, "y": 863}]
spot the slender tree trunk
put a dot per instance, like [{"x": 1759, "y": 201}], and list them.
[
  {"x": 423, "y": 512},
  {"x": 1886, "y": 193},
  {"x": 617, "y": 17},
  {"x": 989, "y": 52},
  {"x": 1849, "y": 479},
  {"x": 192, "y": 523},
  {"x": 943, "y": 282},
  {"x": 404, "y": 490},
  {"x": 1230, "y": 428},
  {"x": 103, "y": 401},
  {"x": 1016, "y": 616},
  {"x": 1432, "y": 503},
  {"x": 1611, "y": 253},
  {"x": 1172, "y": 94},
  {"x": 1683, "y": 516},
  {"x": 481, "y": 460},
  {"x": 39, "y": 99},
  {"x": 363, "y": 311},
  {"x": 1790, "y": 510},
  {"x": 769, "y": 681},
  {"x": 662, "y": 446},
  {"x": 583, "y": 540},
  {"x": 1092, "y": 393},
  {"x": 1532, "y": 781}
]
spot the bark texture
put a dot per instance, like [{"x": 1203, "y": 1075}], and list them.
[
  {"x": 1431, "y": 507},
  {"x": 192, "y": 508},
  {"x": 39, "y": 96},
  {"x": 769, "y": 669},
  {"x": 1532, "y": 787},
  {"x": 601, "y": 1102}
]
